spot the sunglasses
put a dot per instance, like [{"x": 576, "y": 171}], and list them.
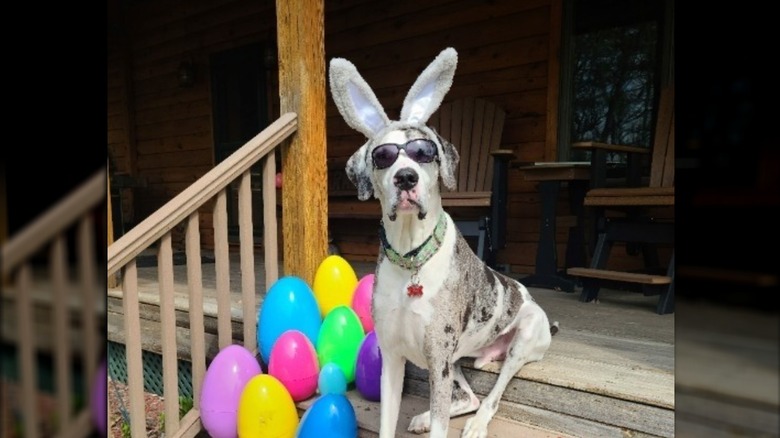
[{"x": 419, "y": 150}]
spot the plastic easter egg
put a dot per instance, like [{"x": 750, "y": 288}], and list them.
[
  {"x": 294, "y": 363},
  {"x": 334, "y": 284},
  {"x": 223, "y": 384},
  {"x": 288, "y": 305},
  {"x": 332, "y": 416},
  {"x": 98, "y": 400},
  {"x": 340, "y": 337},
  {"x": 266, "y": 409},
  {"x": 332, "y": 380},
  {"x": 368, "y": 370},
  {"x": 361, "y": 301}
]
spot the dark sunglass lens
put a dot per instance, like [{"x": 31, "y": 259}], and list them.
[
  {"x": 421, "y": 151},
  {"x": 385, "y": 155}
]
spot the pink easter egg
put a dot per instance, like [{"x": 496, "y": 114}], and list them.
[
  {"x": 361, "y": 302},
  {"x": 294, "y": 362}
]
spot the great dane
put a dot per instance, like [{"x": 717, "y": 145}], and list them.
[{"x": 434, "y": 300}]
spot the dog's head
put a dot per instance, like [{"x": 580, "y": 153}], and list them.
[{"x": 402, "y": 161}]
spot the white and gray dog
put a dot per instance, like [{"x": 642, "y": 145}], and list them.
[{"x": 434, "y": 300}]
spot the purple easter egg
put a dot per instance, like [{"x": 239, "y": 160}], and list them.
[
  {"x": 368, "y": 371},
  {"x": 98, "y": 400}
]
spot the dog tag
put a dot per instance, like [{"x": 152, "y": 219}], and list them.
[{"x": 415, "y": 289}]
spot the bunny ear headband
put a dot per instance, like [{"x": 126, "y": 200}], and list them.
[{"x": 360, "y": 108}]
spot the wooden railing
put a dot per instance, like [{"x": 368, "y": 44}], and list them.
[
  {"x": 50, "y": 229},
  {"x": 157, "y": 227}
]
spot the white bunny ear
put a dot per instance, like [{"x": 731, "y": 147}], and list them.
[
  {"x": 429, "y": 89},
  {"x": 355, "y": 99}
]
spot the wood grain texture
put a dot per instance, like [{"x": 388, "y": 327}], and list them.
[
  {"x": 246, "y": 239},
  {"x": 57, "y": 263},
  {"x": 302, "y": 91},
  {"x": 222, "y": 266},
  {"x": 27, "y": 363},
  {"x": 270, "y": 227},
  {"x": 168, "y": 335},
  {"x": 132, "y": 334},
  {"x": 195, "y": 285}
]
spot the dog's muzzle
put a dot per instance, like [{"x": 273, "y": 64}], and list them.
[{"x": 407, "y": 198}]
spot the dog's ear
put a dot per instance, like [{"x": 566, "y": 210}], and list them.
[
  {"x": 358, "y": 172},
  {"x": 448, "y": 162},
  {"x": 429, "y": 89},
  {"x": 355, "y": 100}
]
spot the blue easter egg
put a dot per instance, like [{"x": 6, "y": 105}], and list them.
[
  {"x": 332, "y": 380},
  {"x": 332, "y": 416},
  {"x": 288, "y": 305}
]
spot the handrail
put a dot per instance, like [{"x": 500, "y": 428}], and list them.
[
  {"x": 51, "y": 223},
  {"x": 193, "y": 197}
]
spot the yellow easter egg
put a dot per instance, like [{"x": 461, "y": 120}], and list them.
[
  {"x": 266, "y": 409},
  {"x": 334, "y": 284}
]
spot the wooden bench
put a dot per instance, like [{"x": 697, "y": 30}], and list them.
[
  {"x": 636, "y": 227},
  {"x": 478, "y": 204}
]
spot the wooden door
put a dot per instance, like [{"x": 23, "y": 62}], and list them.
[{"x": 240, "y": 109}]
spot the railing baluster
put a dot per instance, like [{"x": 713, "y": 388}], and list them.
[
  {"x": 27, "y": 366},
  {"x": 58, "y": 262},
  {"x": 197, "y": 328},
  {"x": 89, "y": 291},
  {"x": 135, "y": 370},
  {"x": 168, "y": 335},
  {"x": 246, "y": 235},
  {"x": 222, "y": 266},
  {"x": 270, "y": 241}
]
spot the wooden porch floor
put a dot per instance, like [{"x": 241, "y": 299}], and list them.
[{"x": 619, "y": 349}]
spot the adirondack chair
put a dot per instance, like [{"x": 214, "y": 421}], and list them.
[
  {"x": 636, "y": 226},
  {"x": 475, "y": 127},
  {"x": 478, "y": 204}
]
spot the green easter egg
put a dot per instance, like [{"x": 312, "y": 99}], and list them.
[{"x": 339, "y": 340}]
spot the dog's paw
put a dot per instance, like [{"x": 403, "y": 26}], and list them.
[
  {"x": 475, "y": 428},
  {"x": 420, "y": 423}
]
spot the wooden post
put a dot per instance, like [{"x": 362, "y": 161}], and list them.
[
  {"x": 112, "y": 279},
  {"x": 300, "y": 34}
]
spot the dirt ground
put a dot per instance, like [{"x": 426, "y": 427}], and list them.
[{"x": 118, "y": 397}]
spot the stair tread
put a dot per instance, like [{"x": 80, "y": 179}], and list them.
[
  {"x": 368, "y": 417},
  {"x": 634, "y": 370}
]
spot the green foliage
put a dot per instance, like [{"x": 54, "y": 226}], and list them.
[
  {"x": 126, "y": 429},
  {"x": 185, "y": 404}
]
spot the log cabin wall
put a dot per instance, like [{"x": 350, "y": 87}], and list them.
[{"x": 163, "y": 133}]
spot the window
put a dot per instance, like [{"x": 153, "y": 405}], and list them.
[{"x": 615, "y": 53}]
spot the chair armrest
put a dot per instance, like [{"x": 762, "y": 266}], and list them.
[
  {"x": 503, "y": 154},
  {"x": 598, "y": 161}
]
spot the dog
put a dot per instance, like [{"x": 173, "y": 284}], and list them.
[{"x": 434, "y": 301}]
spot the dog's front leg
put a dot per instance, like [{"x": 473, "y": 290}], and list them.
[
  {"x": 440, "y": 376},
  {"x": 392, "y": 385}
]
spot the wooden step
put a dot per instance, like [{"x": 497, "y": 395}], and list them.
[
  {"x": 585, "y": 380},
  {"x": 628, "y": 277},
  {"x": 368, "y": 417}
]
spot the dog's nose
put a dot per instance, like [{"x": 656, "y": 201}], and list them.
[{"x": 406, "y": 178}]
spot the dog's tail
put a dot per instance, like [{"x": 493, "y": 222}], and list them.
[{"x": 554, "y": 328}]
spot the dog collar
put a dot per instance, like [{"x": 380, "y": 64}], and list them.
[{"x": 414, "y": 259}]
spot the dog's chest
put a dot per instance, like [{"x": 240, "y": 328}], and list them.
[{"x": 400, "y": 321}]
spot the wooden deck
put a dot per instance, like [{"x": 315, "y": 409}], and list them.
[
  {"x": 612, "y": 370},
  {"x": 611, "y": 367}
]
